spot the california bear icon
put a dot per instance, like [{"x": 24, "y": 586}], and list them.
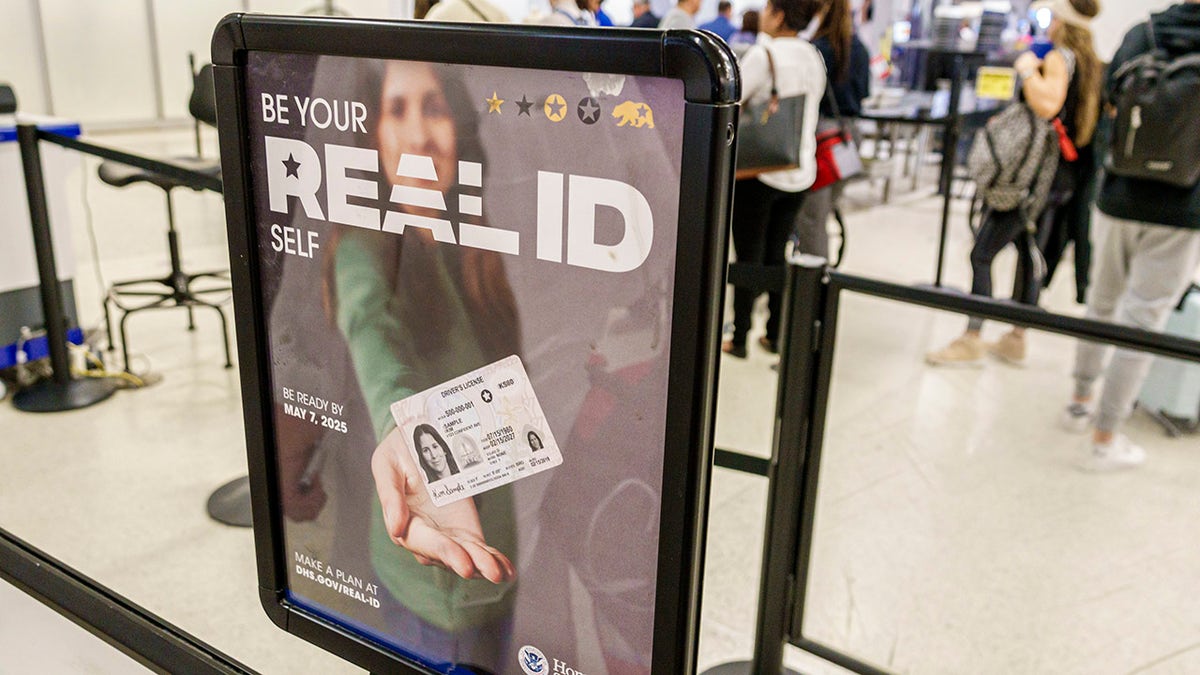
[{"x": 634, "y": 113}]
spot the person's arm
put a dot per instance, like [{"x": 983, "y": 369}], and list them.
[
  {"x": 860, "y": 75},
  {"x": 825, "y": 48},
  {"x": 816, "y": 84},
  {"x": 756, "y": 74},
  {"x": 363, "y": 282},
  {"x": 1045, "y": 88},
  {"x": 450, "y": 536}
]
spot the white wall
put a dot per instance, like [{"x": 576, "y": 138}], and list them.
[
  {"x": 182, "y": 28},
  {"x": 20, "y": 54},
  {"x": 1117, "y": 17},
  {"x": 98, "y": 54},
  {"x": 123, "y": 61}
]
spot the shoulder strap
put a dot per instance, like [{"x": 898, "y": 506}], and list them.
[
  {"x": 832, "y": 96},
  {"x": 1189, "y": 62},
  {"x": 843, "y": 123},
  {"x": 771, "y": 69},
  {"x": 773, "y": 103}
]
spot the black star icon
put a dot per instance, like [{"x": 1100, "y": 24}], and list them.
[
  {"x": 524, "y": 106},
  {"x": 589, "y": 111},
  {"x": 486, "y": 396},
  {"x": 292, "y": 166}
]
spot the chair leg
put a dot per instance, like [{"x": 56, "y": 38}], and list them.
[
  {"x": 125, "y": 344},
  {"x": 224, "y": 330},
  {"x": 108, "y": 326},
  {"x": 225, "y": 337},
  {"x": 175, "y": 291}
]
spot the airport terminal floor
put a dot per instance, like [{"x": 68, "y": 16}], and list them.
[{"x": 954, "y": 533}]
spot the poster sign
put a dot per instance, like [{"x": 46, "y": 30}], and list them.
[
  {"x": 466, "y": 276},
  {"x": 995, "y": 83}
]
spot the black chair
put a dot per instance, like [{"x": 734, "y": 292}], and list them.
[{"x": 179, "y": 288}]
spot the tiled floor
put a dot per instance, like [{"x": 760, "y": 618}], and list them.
[{"x": 953, "y": 533}]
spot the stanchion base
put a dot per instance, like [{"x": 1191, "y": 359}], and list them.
[
  {"x": 230, "y": 504},
  {"x": 740, "y": 668},
  {"x": 51, "y": 396}
]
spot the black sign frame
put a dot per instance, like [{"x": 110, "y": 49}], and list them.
[{"x": 709, "y": 74}]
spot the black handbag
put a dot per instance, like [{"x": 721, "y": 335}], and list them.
[{"x": 768, "y": 136}]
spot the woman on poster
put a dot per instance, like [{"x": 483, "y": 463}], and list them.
[{"x": 414, "y": 313}]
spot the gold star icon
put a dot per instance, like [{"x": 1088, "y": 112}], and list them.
[
  {"x": 494, "y": 103},
  {"x": 555, "y": 108}
]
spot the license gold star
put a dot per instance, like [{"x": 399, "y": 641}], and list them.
[
  {"x": 555, "y": 108},
  {"x": 494, "y": 103}
]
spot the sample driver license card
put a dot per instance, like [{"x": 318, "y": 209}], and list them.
[{"x": 477, "y": 432}]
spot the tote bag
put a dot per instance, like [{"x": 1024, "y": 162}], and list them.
[{"x": 769, "y": 133}]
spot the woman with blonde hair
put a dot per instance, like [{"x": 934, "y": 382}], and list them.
[{"x": 1063, "y": 86}]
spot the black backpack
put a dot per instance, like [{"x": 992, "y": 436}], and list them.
[{"x": 1156, "y": 134}]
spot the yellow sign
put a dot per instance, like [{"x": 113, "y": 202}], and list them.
[
  {"x": 995, "y": 83},
  {"x": 555, "y": 108}
]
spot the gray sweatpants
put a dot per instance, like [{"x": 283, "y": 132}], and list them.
[{"x": 1140, "y": 273}]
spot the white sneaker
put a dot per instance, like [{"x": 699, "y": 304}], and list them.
[
  {"x": 1077, "y": 417},
  {"x": 1119, "y": 453}
]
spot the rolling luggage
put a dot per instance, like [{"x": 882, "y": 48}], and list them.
[{"x": 1171, "y": 393}]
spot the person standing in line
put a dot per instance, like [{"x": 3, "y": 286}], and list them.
[
  {"x": 1066, "y": 216},
  {"x": 642, "y": 16},
  {"x": 682, "y": 15},
  {"x": 1061, "y": 85},
  {"x": 848, "y": 66},
  {"x": 1149, "y": 256},
  {"x": 765, "y": 207},
  {"x": 722, "y": 25},
  {"x": 747, "y": 35}
]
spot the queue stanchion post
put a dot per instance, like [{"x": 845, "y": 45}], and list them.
[
  {"x": 230, "y": 503},
  {"x": 61, "y": 392},
  {"x": 949, "y": 159},
  {"x": 804, "y": 302}
]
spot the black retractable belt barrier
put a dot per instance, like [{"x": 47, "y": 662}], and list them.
[
  {"x": 951, "y": 125},
  {"x": 803, "y": 305},
  {"x": 230, "y": 503},
  {"x": 949, "y": 159},
  {"x": 144, "y": 637},
  {"x": 806, "y": 366},
  {"x": 186, "y": 176},
  {"x": 758, "y": 278},
  {"x": 61, "y": 392}
]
